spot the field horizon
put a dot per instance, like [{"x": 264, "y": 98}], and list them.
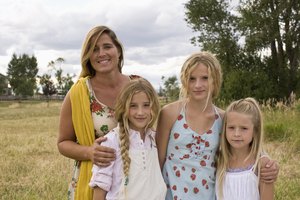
[{"x": 32, "y": 168}]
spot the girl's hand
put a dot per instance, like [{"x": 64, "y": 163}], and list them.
[
  {"x": 269, "y": 172},
  {"x": 101, "y": 155}
]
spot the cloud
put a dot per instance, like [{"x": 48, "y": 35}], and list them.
[{"x": 154, "y": 34}]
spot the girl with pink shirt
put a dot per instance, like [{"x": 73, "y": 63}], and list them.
[{"x": 135, "y": 173}]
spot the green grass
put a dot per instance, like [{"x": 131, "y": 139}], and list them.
[{"x": 31, "y": 167}]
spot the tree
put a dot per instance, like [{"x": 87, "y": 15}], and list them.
[
  {"x": 248, "y": 87},
  {"x": 58, "y": 72},
  {"x": 3, "y": 84},
  {"x": 47, "y": 85},
  {"x": 270, "y": 35},
  {"x": 217, "y": 29},
  {"x": 274, "y": 26},
  {"x": 161, "y": 91},
  {"x": 64, "y": 83},
  {"x": 67, "y": 82},
  {"x": 171, "y": 88},
  {"x": 22, "y": 73}
]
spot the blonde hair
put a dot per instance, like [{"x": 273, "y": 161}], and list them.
[
  {"x": 248, "y": 106},
  {"x": 214, "y": 73},
  {"x": 122, "y": 112},
  {"x": 89, "y": 45}
]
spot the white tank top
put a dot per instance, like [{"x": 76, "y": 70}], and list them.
[{"x": 240, "y": 185}]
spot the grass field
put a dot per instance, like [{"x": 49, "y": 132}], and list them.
[{"x": 31, "y": 167}]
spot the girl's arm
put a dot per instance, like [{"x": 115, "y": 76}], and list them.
[
  {"x": 99, "y": 194},
  {"x": 165, "y": 122},
  {"x": 266, "y": 190},
  {"x": 68, "y": 147}
]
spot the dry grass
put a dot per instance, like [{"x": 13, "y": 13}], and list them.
[
  {"x": 30, "y": 165},
  {"x": 282, "y": 130},
  {"x": 32, "y": 168}
]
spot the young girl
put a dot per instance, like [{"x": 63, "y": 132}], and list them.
[
  {"x": 242, "y": 154},
  {"x": 135, "y": 174}
]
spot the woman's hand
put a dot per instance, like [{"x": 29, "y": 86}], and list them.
[
  {"x": 101, "y": 155},
  {"x": 269, "y": 172}
]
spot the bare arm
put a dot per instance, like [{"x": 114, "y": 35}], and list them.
[
  {"x": 269, "y": 171},
  {"x": 266, "y": 190},
  {"x": 166, "y": 120},
  {"x": 68, "y": 147},
  {"x": 99, "y": 194}
]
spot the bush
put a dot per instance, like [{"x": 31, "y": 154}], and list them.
[{"x": 276, "y": 132}]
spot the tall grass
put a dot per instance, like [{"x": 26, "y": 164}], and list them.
[
  {"x": 282, "y": 131},
  {"x": 31, "y": 167}
]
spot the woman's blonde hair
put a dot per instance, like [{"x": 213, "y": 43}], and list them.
[
  {"x": 248, "y": 106},
  {"x": 214, "y": 73},
  {"x": 89, "y": 45},
  {"x": 122, "y": 111}
]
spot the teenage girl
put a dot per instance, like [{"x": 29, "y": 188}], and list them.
[{"x": 188, "y": 131}]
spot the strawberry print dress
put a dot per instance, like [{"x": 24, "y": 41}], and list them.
[{"x": 189, "y": 169}]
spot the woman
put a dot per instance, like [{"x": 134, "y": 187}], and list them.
[{"x": 87, "y": 112}]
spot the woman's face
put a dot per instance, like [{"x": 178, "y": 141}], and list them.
[{"x": 105, "y": 56}]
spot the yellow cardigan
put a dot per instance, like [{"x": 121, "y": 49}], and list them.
[{"x": 84, "y": 130}]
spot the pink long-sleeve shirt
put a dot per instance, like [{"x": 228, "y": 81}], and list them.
[{"x": 109, "y": 178}]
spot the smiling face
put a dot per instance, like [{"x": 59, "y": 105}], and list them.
[
  {"x": 139, "y": 114},
  {"x": 239, "y": 131},
  {"x": 105, "y": 56}
]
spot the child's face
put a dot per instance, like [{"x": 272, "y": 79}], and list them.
[
  {"x": 198, "y": 86},
  {"x": 139, "y": 112},
  {"x": 239, "y": 130}
]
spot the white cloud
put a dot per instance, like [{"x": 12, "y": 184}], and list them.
[{"x": 155, "y": 36}]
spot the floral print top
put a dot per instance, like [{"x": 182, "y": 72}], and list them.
[
  {"x": 102, "y": 115},
  {"x": 104, "y": 121}
]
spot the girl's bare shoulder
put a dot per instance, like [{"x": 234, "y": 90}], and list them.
[
  {"x": 221, "y": 112},
  {"x": 172, "y": 108},
  {"x": 169, "y": 114}
]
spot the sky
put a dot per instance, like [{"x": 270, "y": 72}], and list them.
[{"x": 154, "y": 34}]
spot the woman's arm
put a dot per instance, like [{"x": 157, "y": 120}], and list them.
[
  {"x": 166, "y": 119},
  {"x": 266, "y": 190},
  {"x": 269, "y": 171},
  {"x": 104, "y": 178},
  {"x": 68, "y": 147}
]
